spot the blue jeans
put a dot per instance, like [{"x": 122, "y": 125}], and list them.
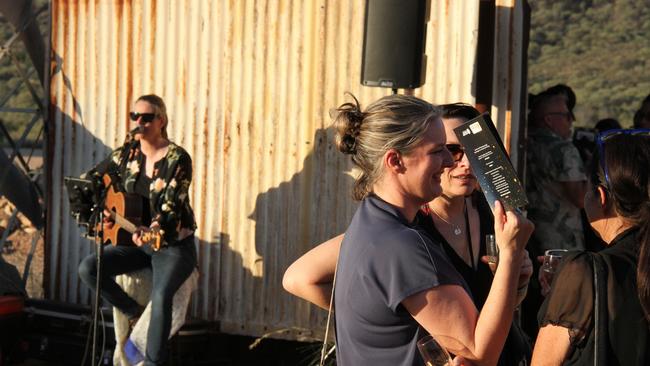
[{"x": 171, "y": 266}]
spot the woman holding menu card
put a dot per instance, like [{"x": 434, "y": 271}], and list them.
[{"x": 456, "y": 219}]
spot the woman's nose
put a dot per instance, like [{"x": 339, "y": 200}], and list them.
[
  {"x": 464, "y": 160},
  {"x": 447, "y": 159}
]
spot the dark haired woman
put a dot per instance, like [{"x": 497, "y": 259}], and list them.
[
  {"x": 393, "y": 281},
  {"x": 574, "y": 329},
  {"x": 159, "y": 172}
]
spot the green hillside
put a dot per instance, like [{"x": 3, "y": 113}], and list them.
[{"x": 601, "y": 48}]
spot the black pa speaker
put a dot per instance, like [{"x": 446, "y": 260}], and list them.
[{"x": 393, "y": 43}]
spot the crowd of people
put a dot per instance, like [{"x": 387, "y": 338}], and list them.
[{"x": 412, "y": 262}]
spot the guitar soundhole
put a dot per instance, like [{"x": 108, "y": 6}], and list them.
[
  {"x": 129, "y": 207},
  {"x": 132, "y": 212},
  {"x": 133, "y": 208}
]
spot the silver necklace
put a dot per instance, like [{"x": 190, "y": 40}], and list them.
[{"x": 456, "y": 228}]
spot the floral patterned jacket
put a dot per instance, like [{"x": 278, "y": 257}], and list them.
[{"x": 169, "y": 202}]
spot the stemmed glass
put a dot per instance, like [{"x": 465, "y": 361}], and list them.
[
  {"x": 491, "y": 250},
  {"x": 433, "y": 353},
  {"x": 552, "y": 259}
]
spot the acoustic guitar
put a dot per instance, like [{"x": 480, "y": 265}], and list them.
[{"x": 126, "y": 212}]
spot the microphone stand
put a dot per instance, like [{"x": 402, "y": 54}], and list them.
[{"x": 98, "y": 216}]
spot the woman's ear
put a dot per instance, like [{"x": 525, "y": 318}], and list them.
[
  {"x": 603, "y": 198},
  {"x": 393, "y": 161},
  {"x": 163, "y": 128}
]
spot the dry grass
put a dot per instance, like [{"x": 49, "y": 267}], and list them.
[{"x": 18, "y": 247}]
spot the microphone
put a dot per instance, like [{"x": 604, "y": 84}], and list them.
[{"x": 135, "y": 131}]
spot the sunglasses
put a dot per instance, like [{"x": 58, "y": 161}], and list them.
[
  {"x": 606, "y": 135},
  {"x": 146, "y": 117},
  {"x": 456, "y": 151}
]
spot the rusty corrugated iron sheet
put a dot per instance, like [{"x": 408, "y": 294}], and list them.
[{"x": 248, "y": 86}]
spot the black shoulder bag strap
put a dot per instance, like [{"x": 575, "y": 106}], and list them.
[{"x": 601, "y": 338}]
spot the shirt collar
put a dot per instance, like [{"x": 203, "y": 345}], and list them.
[
  {"x": 379, "y": 203},
  {"x": 626, "y": 238}
]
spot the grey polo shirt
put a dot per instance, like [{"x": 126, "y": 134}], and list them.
[{"x": 384, "y": 259}]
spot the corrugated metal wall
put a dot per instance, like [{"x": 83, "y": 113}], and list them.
[
  {"x": 248, "y": 86},
  {"x": 509, "y": 102}
]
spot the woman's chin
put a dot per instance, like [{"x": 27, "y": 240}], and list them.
[{"x": 462, "y": 191}]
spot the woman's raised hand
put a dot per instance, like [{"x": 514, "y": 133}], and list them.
[{"x": 512, "y": 230}]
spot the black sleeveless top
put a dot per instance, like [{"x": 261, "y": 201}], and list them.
[
  {"x": 570, "y": 304},
  {"x": 142, "y": 184},
  {"x": 479, "y": 280},
  {"x": 517, "y": 350}
]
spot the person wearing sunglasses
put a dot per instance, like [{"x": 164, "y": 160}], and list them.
[
  {"x": 458, "y": 219},
  {"x": 555, "y": 185},
  {"x": 556, "y": 178},
  {"x": 158, "y": 172},
  {"x": 606, "y": 317}
]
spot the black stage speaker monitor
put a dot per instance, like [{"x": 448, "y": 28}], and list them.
[{"x": 393, "y": 43}]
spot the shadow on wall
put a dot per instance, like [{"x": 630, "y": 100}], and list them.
[
  {"x": 61, "y": 257},
  {"x": 206, "y": 299},
  {"x": 292, "y": 218}
]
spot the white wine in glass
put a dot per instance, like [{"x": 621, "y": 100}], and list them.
[
  {"x": 433, "y": 353},
  {"x": 491, "y": 250}
]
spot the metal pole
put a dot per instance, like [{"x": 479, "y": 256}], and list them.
[{"x": 100, "y": 252}]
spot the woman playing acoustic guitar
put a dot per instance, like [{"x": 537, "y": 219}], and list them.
[{"x": 156, "y": 174}]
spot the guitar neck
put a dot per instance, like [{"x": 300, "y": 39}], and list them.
[{"x": 123, "y": 223}]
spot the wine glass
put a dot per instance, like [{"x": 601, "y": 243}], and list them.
[
  {"x": 432, "y": 352},
  {"x": 491, "y": 250},
  {"x": 552, "y": 259}
]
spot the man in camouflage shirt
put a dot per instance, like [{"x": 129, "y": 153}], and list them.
[
  {"x": 555, "y": 186},
  {"x": 556, "y": 180}
]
